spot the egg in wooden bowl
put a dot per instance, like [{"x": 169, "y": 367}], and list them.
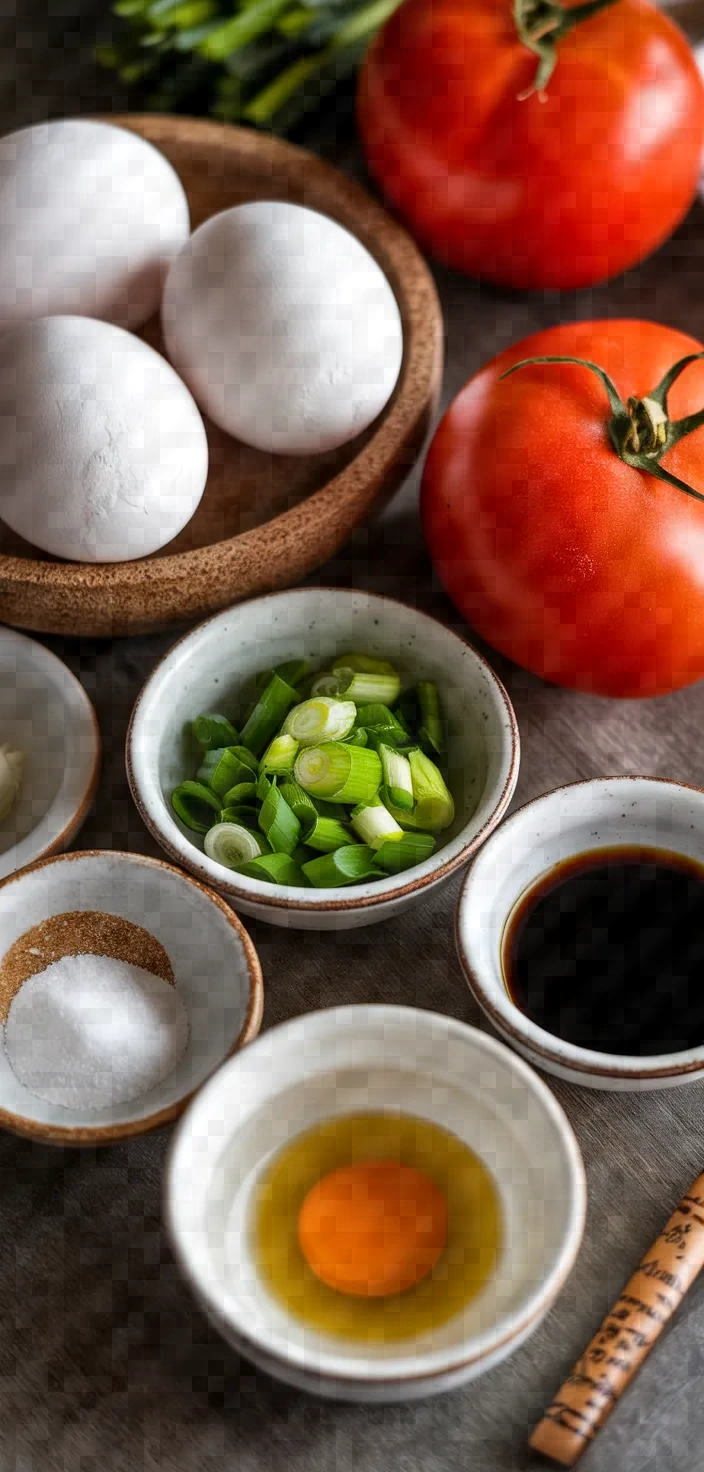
[{"x": 375, "y": 1203}]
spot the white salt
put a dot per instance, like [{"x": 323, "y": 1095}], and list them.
[{"x": 90, "y": 1032}]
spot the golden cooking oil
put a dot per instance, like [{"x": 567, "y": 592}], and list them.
[{"x": 473, "y": 1237}]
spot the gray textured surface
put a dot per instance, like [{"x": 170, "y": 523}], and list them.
[{"x": 104, "y": 1360}]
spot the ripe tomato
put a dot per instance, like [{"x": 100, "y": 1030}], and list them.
[
  {"x": 578, "y": 566},
  {"x": 559, "y": 192}
]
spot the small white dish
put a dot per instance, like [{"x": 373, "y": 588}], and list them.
[
  {"x": 606, "y": 812},
  {"x": 208, "y": 668},
  {"x": 45, "y": 711},
  {"x": 215, "y": 967},
  {"x": 349, "y": 1060}
]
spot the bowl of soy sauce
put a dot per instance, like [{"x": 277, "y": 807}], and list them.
[{"x": 580, "y": 930}]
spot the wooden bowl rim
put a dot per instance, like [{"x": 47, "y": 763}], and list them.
[
  {"x": 422, "y": 352},
  {"x": 81, "y": 1135}
]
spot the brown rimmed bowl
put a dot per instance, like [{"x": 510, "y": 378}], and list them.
[
  {"x": 349, "y": 1060},
  {"x": 207, "y": 950},
  {"x": 212, "y": 669},
  {"x": 606, "y": 812},
  {"x": 264, "y": 520}
]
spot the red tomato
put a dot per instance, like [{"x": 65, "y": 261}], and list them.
[
  {"x": 559, "y": 192},
  {"x": 578, "y": 566}
]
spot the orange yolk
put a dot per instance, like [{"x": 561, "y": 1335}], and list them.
[{"x": 373, "y": 1229}]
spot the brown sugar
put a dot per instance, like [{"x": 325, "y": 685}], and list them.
[{"x": 76, "y": 933}]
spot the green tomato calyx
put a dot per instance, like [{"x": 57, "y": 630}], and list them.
[
  {"x": 541, "y": 25},
  {"x": 641, "y": 430}
]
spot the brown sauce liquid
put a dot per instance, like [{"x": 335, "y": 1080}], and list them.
[{"x": 607, "y": 952}]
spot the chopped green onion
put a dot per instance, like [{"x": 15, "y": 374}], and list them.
[
  {"x": 243, "y": 813},
  {"x": 231, "y": 844},
  {"x": 363, "y": 664},
  {"x": 262, "y": 725},
  {"x": 212, "y": 731},
  {"x": 346, "y": 865},
  {"x": 368, "y": 689},
  {"x": 396, "y": 770},
  {"x": 380, "y": 721},
  {"x": 347, "y": 774},
  {"x": 326, "y": 684},
  {"x": 299, "y": 802},
  {"x": 278, "y": 822},
  {"x": 434, "y": 807},
  {"x": 274, "y": 869},
  {"x": 320, "y": 719},
  {"x": 241, "y": 792},
  {"x": 407, "y": 710},
  {"x": 263, "y": 785},
  {"x": 326, "y": 834},
  {"x": 375, "y": 825},
  {"x": 431, "y": 731},
  {"x": 280, "y": 756},
  {"x": 292, "y": 672},
  {"x": 405, "y": 852},
  {"x": 357, "y": 737},
  {"x": 194, "y": 804},
  {"x": 225, "y": 767}
]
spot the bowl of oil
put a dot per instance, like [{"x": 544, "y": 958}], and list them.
[{"x": 375, "y": 1203}]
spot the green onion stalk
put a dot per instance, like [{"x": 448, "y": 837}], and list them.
[{"x": 263, "y": 62}]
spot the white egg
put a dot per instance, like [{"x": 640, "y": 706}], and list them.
[
  {"x": 103, "y": 453},
  {"x": 284, "y": 327},
  {"x": 91, "y": 217}
]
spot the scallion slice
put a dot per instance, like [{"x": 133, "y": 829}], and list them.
[
  {"x": 195, "y": 804},
  {"x": 299, "y": 802},
  {"x": 396, "y": 770},
  {"x": 320, "y": 719},
  {"x": 244, "y": 813},
  {"x": 404, "y": 852},
  {"x": 381, "y": 723},
  {"x": 224, "y": 768},
  {"x": 375, "y": 825},
  {"x": 349, "y": 865},
  {"x": 292, "y": 672},
  {"x": 278, "y": 822},
  {"x": 326, "y": 684},
  {"x": 368, "y": 689},
  {"x": 326, "y": 834},
  {"x": 434, "y": 808},
  {"x": 431, "y": 731},
  {"x": 241, "y": 792},
  {"x": 362, "y": 664},
  {"x": 230, "y": 844},
  {"x": 348, "y": 774},
  {"x": 274, "y": 869},
  {"x": 280, "y": 755},
  {"x": 275, "y": 700},
  {"x": 358, "y": 737},
  {"x": 213, "y": 731}
]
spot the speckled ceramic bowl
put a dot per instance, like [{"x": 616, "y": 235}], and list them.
[
  {"x": 210, "y": 666},
  {"x": 45, "y": 711},
  {"x": 348, "y": 1060},
  {"x": 212, "y": 960},
  {"x": 607, "y": 812}
]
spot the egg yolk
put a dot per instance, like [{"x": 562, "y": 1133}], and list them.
[{"x": 373, "y": 1229}]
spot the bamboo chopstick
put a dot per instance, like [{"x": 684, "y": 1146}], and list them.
[{"x": 626, "y": 1336}]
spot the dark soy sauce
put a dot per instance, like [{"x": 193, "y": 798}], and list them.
[{"x": 608, "y": 952}]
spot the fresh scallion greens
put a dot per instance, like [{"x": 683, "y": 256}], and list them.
[
  {"x": 194, "y": 804},
  {"x": 331, "y": 782},
  {"x": 231, "y": 844},
  {"x": 348, "y": 865}
]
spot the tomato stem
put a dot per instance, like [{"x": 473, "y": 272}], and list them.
[
  {"x": 541, "y": 25},
  {"x": 641, "y": 430}
]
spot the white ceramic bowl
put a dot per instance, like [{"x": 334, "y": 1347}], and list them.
[
  {"x": 215, "y": 968},
  {"x": 209, "y": 667},
  {"x": 348, "y": 1060},
  {"x": 606, "y": 812},
  {"x": 45, "y": 711}
]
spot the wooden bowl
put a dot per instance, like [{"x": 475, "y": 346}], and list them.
[{"x": 265, "y": 520}]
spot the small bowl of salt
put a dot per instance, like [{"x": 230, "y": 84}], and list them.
[{"x": 124, "y": 984}]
